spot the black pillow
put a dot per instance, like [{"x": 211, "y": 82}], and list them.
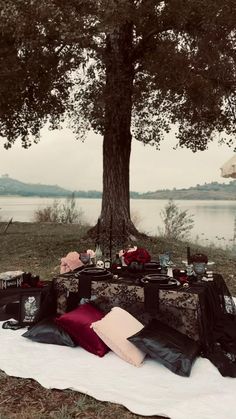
[
  {"x": 46, "y": 331},
  {"x": 173, "y": 349}
]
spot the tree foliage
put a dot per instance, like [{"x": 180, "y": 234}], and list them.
[{"x": 54, "y": 56}]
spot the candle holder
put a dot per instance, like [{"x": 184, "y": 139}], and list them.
[{"x": 189, "y": 270}]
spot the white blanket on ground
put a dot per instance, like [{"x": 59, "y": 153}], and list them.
[{"x": 149, "y": 390}]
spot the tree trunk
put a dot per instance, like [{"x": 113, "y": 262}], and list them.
[
  {"x": 117, "y": 138},
  {"x": 115, "y": 225}
]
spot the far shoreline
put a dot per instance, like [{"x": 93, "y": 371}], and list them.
[{"x": 165, "y": 198}]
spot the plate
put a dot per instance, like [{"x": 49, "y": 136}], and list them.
[
  {"x": 172, "y": 283},
  {"x": 157, "y": 278}
]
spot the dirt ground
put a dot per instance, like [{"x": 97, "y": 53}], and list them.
[{"x": 38, "y": 248}]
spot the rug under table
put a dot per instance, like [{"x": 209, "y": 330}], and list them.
[{"x": 148, "y": 390}]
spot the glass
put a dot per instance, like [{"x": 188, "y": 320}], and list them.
[
  {"x": 199, "y": 268},
  {"x": 164, "y": 260}
]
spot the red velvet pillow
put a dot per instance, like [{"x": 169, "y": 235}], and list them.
[{"x": 77, "y": 324}]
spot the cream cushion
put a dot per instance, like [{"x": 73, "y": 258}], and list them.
[{"x": 114, "y": 329}]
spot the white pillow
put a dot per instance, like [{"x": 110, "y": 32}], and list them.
[{"x": 114, "y": 329}]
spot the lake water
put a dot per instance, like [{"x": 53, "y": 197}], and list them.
[{"x": 213, "y": 220}]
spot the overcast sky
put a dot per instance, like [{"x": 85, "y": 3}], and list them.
[{"x": 61, "y": 159}]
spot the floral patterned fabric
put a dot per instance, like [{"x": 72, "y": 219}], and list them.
[{"x": 178, "y": 308}]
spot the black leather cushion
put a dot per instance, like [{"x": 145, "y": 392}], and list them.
[
  {"x": 173, "y": 349},
  {"x": 46, "y": 331}
]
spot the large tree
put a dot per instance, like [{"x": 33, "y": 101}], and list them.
[{"x": 123, "y": 68}]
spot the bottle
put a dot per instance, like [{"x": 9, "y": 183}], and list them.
[
  {"x": 98, "y": 256},
  {"x": 116, "y": 264},
  {"x": 107, "y": 262}
]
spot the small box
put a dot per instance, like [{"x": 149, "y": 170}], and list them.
[
  {"x": 10, "y": 279},
  {"x": 30, "y": 302}
]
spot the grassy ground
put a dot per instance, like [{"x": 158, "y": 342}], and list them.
[
  {"x": 26, "y": 399},
  {"x": 38, "y": 248}
]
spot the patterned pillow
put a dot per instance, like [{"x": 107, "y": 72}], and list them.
[
  {"x": 77, "y": 324},
  {"x": 173, "y": 349},
  {"x": 114, "y": 329},
  {"x": 46, "y": 331}
]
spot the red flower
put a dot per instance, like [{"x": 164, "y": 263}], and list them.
[{"x": 140, "y": 255}]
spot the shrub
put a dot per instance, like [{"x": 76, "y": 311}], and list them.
[
  {"x": 69, "y": 212},
  {"x": 177, "y": 223},
  {"x": 59, "y": 212}
]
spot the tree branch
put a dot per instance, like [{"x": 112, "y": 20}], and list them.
[{"x": 140, "y": 47}]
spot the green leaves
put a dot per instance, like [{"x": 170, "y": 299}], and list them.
[{"x": 182, "y": 53}]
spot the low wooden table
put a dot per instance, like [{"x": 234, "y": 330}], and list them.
[{"x": 179, "y": 307}]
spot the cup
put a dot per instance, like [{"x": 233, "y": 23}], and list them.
[{"x": 199, "y": 268}]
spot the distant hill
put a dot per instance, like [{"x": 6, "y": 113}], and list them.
[
  {"x": 213, "y": 190},
  {"x": 9, "y": 186}
]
